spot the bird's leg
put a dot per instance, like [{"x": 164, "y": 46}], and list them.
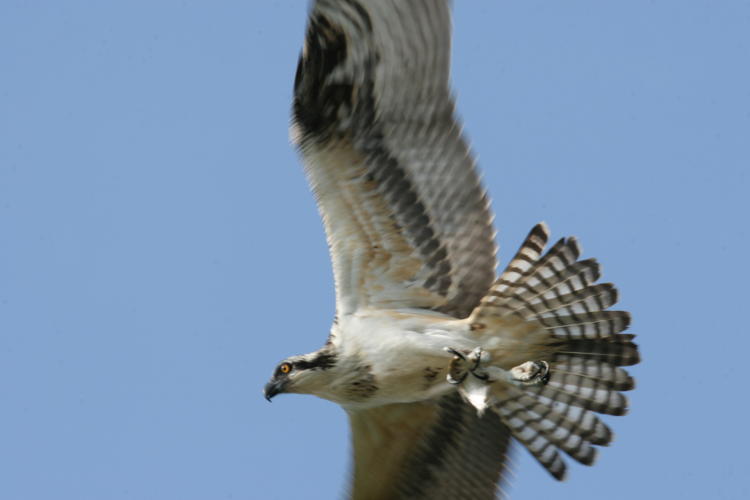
[
  {"x": 476, "y": 362},
  {"x": 474, "y": 389},
  {"x": 462, "y": 364},
  {"x": 477, "y": 389}
]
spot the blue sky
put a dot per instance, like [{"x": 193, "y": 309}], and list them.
[{"x": 156, "y": 229}]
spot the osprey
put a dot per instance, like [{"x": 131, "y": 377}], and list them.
[{"x": 437, "y": 361}]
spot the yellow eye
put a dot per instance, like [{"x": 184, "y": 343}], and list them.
[{"x": 285, "y": 368}]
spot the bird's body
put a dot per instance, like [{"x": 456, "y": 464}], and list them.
[
  {"x": 399, "y": 356},
  {"x": 395, "y": 357},
  {"x": 533, "y": 353}
]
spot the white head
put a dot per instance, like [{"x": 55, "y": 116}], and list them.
[{"x": 305, "y": 374}]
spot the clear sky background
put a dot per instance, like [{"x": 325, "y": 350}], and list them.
[{"x": 160, "y": 251}]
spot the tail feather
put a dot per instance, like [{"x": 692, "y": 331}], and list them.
[
  {"x": 574, "y": 282},
  {"x": 577, "y": 276},
  {"x": 545, "y": 427},
  {"x": 617, "y": 350},
  {"x": 592, "y": 299},
  {"x": 535, "y": 441},
  {"x": 544, "y": 271},
  {"x": 562, "y": 254},
  {"x": 529, "y": 253},
  {"x": 549, "y": 305},
  {"x": 614, "y": 377},
  {"x": 571, "y": 443},
  {"x": 591, "y": 394},
  {"x": 586, "y": 423},
  {"x": 561, "y": 419},
  {"x": 555, "y": 276},
  {"x": 585, "y": 325}
]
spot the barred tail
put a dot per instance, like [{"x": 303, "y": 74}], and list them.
[{"x": 566, "y": 322}]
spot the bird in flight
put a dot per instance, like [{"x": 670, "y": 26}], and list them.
[{"x": 439, "y": 363}]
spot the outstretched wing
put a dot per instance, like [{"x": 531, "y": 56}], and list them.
[
  {"x": 432, "y": 450},
  {"x": 407, "y": 219}
]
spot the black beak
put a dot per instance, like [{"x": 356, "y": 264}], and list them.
[{"x": 273, "y": 388}]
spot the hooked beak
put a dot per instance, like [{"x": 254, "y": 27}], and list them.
[{"x": 273, "y": 388}]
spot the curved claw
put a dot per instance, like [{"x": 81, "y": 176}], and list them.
[
  {"x": 457, "y": 371},
  {"x": 478, "y": 355},
  {"x": 456, "y": 353},
  {"x": 531, "y": 373}
]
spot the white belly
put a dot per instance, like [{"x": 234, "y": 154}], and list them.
[{"x": 403, "y": 351}]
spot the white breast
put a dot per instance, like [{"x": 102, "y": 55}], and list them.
[{"x": 403, "y": 350}]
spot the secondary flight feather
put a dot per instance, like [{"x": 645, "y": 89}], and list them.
[{"x": 437, "y": 361}]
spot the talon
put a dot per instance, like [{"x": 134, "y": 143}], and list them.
[
  {"x": 457, "y": 371},
  {"x": 479, "y": 355},
  {"x": 456, "y": 353},
  {"x": 531, "y": 373},
  {"x": 476, "y": 356}
]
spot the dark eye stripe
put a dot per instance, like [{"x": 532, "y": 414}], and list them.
[{"x": 323, "y": 361}]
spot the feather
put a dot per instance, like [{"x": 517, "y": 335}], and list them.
[
  {"x": 434, "y": 450},
  {"x": 548, "y": 307},
  {"x": 407, "y": 219}
]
